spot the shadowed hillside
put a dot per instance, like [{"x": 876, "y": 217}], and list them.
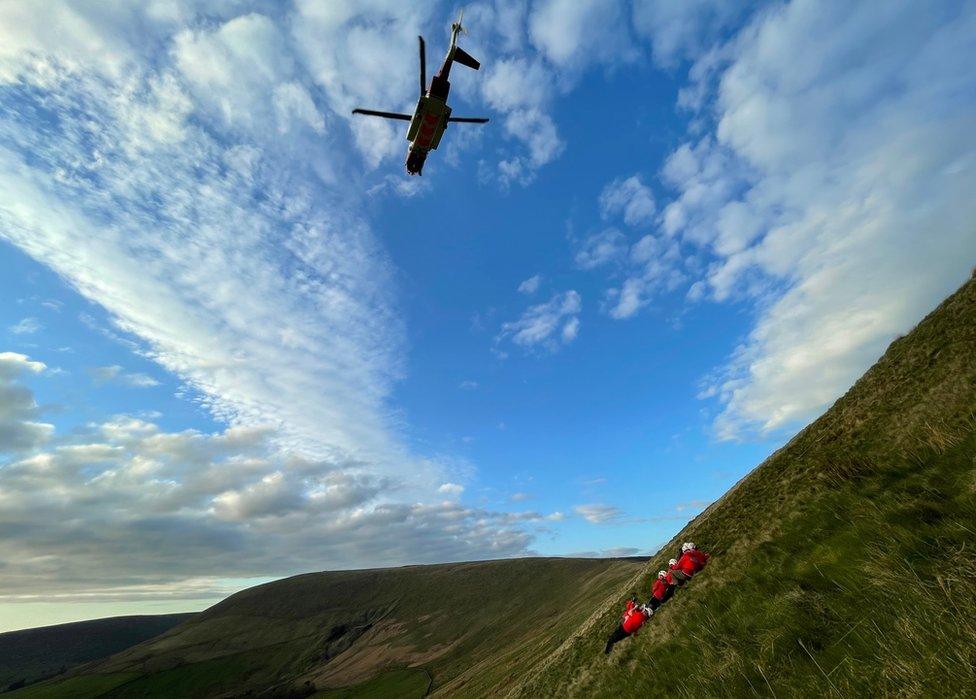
[
  {"x": 337, "y": 629},
  {"x": 844, "y": 565},
  {"x": 32, "y": 654}
]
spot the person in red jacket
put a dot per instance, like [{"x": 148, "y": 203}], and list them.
[
  {"x": 662, "y": 589},
  {"x": 692, "y": 560},
  {"x": 634, "y": 617},
  {"x": 699, "y": 556}
]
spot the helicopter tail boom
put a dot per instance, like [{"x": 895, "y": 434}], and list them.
[{"x": 465, "y": 59}]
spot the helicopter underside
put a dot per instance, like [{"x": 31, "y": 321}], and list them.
[{"x": 426, "y": 129}]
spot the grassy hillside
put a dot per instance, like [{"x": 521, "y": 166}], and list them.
[
  {"x": 29, "y": 655},
  {"x": 845, "y": 565},
  {"x": 362, "y": 629}
]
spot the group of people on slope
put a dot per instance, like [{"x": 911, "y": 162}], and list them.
[{"x": 680, "y": 570}]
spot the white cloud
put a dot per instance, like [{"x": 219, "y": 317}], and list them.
[
  {"x": 537, "y": 131},
  {"x": 615, "y": 552},
  {"x": 629, "y": 198},
  {"x": 451, "y": 489},
  {"x": 542, "y": 324},
  {"x": 686, "y": 29},
  {"x": 835, "y": 189},
  {"x": 468, "y": 385},
  {"x": 598, "y": 513},
  {"x": 116, "y": 374},
  {"x": 570, "y": 329},
  {"x": 13, "y": 364},
  {"x": 654, "y": 265},
  {"x": 194, "y": 506},
  {"x": 19, "y": 431},
  {"x": 601, "y": 248},
  {"x": 233, "y": 68},
  {"x": 518, "y": 83},
  {"x": 26, "y": 326},
  {"x": 576, "y": 32},
  {"x": 651, "y": 265},
  {"x": 530, "y": 285}
]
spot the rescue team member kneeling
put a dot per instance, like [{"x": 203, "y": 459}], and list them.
[
  {"x": 662, "y": 590},
  {"x": 634, "y": 617},
  {"x": 692, "y": 560}
]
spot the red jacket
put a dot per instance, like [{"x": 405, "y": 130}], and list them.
[
  {"x": 634, "y": 618},
  {"x": 700, "y": 558},
  {"x": 692, "y": 561},
  {"x": 660, "y": 587},
  {"x": 686, "y": 564}
]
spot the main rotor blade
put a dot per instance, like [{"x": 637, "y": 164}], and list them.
[
  {"x": 385, "y": 115},
  {"x": 469, "y": 120},
  {"x": 423, "y": 66}
]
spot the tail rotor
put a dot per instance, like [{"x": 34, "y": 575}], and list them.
[{"x": 457, "y": 53}]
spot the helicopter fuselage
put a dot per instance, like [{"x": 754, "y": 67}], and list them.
[{"x": 429, "y": 121}]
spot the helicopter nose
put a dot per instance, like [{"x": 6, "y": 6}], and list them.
[{"x": 415, "y": 161}]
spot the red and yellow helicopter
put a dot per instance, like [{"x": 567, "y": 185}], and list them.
[{"x": 432, "y": 114}]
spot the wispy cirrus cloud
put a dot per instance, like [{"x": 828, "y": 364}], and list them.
[
  {"x": 116, "y": 374},
  {"x": 530, "y": 285},
  {"x": 598, "y": 513},
  {"x": 547, "y": 325},
  {"x": 26, "y": 326},
  {"x": 630, "y": 199}
]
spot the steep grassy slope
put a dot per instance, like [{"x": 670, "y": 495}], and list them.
[
  {"x": 845, "y": 565},
  {"x": 362, "y": 628},
  {"x": 32, "y": 654}
]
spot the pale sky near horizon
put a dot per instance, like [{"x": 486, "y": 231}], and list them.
[{"x": 238, "y": 342}]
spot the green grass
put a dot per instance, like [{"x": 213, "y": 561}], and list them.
[
  {"x": 343, "y": 629},
  {"x": 83, "y": 686},
  {"x": 403, "y": 684}
]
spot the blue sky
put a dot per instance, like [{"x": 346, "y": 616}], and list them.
[{"x": 239, "y": 342}]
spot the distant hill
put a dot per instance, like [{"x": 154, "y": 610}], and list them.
[
  {"x": 29, "y": 655},
  {"x": 337, "y": 629},
  {"x": 844, "y": 565}
]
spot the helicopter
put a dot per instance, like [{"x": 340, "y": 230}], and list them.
[{"x": 432, "y": 114}]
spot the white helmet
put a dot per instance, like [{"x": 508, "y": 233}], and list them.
[
  {"x": 662, "y": 574},
  {"x": 687, "y": 546},
  {"x": 673, "y": 562}
]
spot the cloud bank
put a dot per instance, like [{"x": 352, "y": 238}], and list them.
[
  {"x": 122, "y": 509},
  {"x": 826, "y": 180}
]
